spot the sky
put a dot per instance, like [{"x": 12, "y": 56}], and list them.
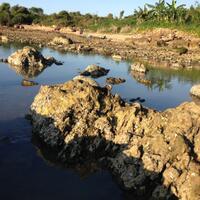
[{"x": 100, "y": 7}]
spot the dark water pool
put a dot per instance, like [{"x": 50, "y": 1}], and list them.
[{"x": 24, "y": 174}]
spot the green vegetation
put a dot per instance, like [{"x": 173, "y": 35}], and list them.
[{"x": 162, "y": 14}]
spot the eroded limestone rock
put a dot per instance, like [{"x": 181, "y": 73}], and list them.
[
  {"x": 29, "y": 62},
  {"x": 154, "y": 153}
]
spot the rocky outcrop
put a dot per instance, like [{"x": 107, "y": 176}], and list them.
[
  {"x": 152, "y": 153},
  {"x": 115, "y": 81},
  {"x": 29, "y": 62},
  {"x": 28, "y": 57},
  {"x": 95, "y": 71},
  {"x": 195, "y": 91},
  {"x": 138, "y": 67}
]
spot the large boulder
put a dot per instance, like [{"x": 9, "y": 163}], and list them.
[
  {"x": 27, "y": 57},
  {"x": 195, "y": 91},
  {"x": 29, "y": 62},
  {"x": 156, "y": 154}
]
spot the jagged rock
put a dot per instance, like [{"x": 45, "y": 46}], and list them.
[
  {"x": 28, "y": 83},
  {"x": 95, "y": 71},
  {"x": 27, "y": 57},
  {"x": 138, "y": 67},
  {"x": 195, "y": 91},
  {"x": 29, "y": 62},
  {"x": 150, "y": 152},
  {"x": 61, "y": 41},
  {"x": 113, "y": 81}
]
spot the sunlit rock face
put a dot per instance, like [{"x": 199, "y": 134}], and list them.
[
  {"x": 195, "y": 91},
  {"x": 153, "y": 153},
  {"x": 29, "y": 62}
]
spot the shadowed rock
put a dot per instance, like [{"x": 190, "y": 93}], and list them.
[{"x": 154, "y": 153}]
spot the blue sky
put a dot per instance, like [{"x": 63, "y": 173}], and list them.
[{"x": 100, "y": 7}]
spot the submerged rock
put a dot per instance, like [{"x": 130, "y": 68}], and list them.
[
  {"x": 154, "y": 153},
  {"x": 138, "y": 67},
  {"x": 28, "y": 83},
  {"x": 95, "y": 71},
  {"x": 113, "y": 81},
  {"x": 195, "y": 91}
]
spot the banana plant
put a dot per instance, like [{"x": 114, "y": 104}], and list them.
[
  {"x": 141, "y": 14},
  {"x": 174, "y": 11},
  {"x": 157, "y": 11}
]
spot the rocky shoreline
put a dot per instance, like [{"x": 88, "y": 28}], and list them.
[
  {"x": 149, "y": 152},
  {"x": 164, "y": 48}
]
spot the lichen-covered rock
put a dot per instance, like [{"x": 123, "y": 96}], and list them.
[
  {"x": 195, "y": 91},
  {"x": 95, "y": 71},
  {"x": 152, "y": 153}
]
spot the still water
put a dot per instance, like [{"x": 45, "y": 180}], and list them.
[{"x": 24, "y": 173}]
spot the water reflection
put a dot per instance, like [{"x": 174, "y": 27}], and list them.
[{"x": 162, "y": 79}]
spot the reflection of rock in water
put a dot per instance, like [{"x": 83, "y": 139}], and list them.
[
  {"x": 153, "y": 153},
  {"x": 50, "y": 156},
  {"x": 29, "y": 62},
  {"x": 140, "y": 77}
]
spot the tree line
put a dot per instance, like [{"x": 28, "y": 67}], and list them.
[{"x": 161, "y": 12}]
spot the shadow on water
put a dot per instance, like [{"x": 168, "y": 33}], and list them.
[{"x": 88, "y": 154}]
